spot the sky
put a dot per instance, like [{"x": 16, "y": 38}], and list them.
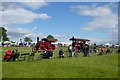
[{"x": 96, "y": 21}]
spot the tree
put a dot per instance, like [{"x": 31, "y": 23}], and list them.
[
  {"x": 27, "y": 39},
  {"x": 3, "y": 34}
]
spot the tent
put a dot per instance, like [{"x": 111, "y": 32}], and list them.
[{"x": 107, "y": 45}]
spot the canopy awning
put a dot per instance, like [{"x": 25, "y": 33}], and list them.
[
  {"x": 78, "y": 39},
  {"x": 49, "y": 39}
]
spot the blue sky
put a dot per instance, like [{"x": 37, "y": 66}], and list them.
[{"x": 91, "y": 20}]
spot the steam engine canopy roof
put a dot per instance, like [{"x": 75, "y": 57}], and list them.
[
  {"x": 49, "y": 39},
  {"x": 78, "y": 39}
]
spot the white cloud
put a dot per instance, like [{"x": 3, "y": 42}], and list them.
[
  {"x": 103, "y": 17},
  {"x": 59, "y": 36},
  {"x": 0, "y": 6},
  {"x": 103, "y": 40},
  {"x": 92, "y": 10},
  {"x": 41, "y": 35},
  {"x": 20, "y": 16},
  {"x": 35, "y": 4},
  {"x": 15, "y": 13},
  {"x": 20, "y": 33},
  {"x": 35, "y": 27},
  {"x": 24, "y": 1},
  {"x": 106, "y": 22},
  {"x": 12, "y": 13},
  {"x": 99, "y": 40},
  {"x": 62, "y": 0}
]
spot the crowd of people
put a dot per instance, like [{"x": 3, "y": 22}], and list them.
[
  {"x": 73, "y": 51},
  {"x": 86, "y": 50}
]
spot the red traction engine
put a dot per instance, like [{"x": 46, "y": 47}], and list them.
[
  {"x": 45, "y": 44},
  {"x": 78, "y": 43}
]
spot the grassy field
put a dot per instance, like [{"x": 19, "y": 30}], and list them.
[{"x": 105, "y": 66}]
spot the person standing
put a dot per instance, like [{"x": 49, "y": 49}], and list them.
[
  {"x": 70, "y": 51},
  {"x": 101, "y": 51},
  {"x": 17, "y": 54},
  {"x": 86, "y": 50},
  {"x": 51, "y": 53},
  {"x": 13, "y": 55},
  {"x": 108, "y": 50}
]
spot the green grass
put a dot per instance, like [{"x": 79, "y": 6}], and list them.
[
  {"x": 105, "y": 66},
  {"x": 0, "y": 63}
]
